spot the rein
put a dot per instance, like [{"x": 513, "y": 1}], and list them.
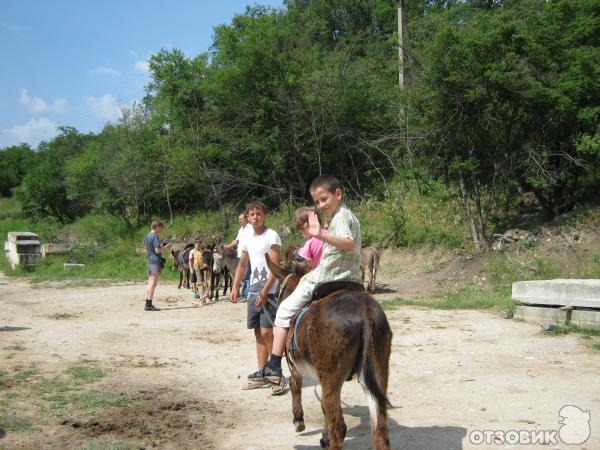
[{"x": 282, "y": 287}]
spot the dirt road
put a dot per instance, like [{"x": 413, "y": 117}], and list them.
[{"x": 452, "y": 372}]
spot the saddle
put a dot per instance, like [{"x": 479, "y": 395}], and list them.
[{"x": 322, "y": 290}]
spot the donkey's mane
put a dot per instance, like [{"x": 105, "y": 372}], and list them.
[{"x": 298, "y": 269}]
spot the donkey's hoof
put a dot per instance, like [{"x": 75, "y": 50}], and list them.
[
  {"x": 324, "y": 442},
  {"x": 300, "y": 427}
]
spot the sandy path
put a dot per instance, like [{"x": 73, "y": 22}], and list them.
[{"x": 452, "y": 372}]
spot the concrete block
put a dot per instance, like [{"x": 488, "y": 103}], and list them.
[
  {"x": 542, "y": 316},
  {"x": 55, "y": 249},
  {"x": 586, "y": 319},
  {"x": 560, "y": 292},
  {"x": 69, "y": 266}
]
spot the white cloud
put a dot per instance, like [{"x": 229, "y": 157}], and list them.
[
  {"x": 142, "y": 66},
  {"x": 104, "y": 71},
  {"x": 32, "y": 132},
  {"x": 60, "y": 106},
  {"x": 37, "y": 105},
  {"x": 105, "y": 107}
]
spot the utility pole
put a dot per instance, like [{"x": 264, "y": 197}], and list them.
[{"x": 401, "y": 28}]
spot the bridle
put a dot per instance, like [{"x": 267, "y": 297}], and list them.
[{"x": 282, "y": 287}]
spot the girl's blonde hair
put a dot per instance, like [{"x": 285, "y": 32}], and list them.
[{"x": 301, "y": 216}]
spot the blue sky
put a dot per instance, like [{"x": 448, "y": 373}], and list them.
[{"x": 67, "y": 62}]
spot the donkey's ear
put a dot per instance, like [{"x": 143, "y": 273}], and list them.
[
  {"x": 274, "y": 268},
  {"x": 173, "y": 252}
]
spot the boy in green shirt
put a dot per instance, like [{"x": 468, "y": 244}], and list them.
[{"x": 340, "y": 261}]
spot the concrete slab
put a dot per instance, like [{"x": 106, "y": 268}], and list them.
[
  {"x": 69, "y": 266},
  {"x": 55, "y": 249},
  {"x": 586, "y": 319},
  {"x": 543, "y": 316},
  {"x": 560, "y": 292}
]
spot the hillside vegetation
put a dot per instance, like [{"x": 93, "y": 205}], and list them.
[{"x": 495, "y": 128}]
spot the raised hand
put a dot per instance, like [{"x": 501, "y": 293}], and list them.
[{"x": 314, "y": 227}]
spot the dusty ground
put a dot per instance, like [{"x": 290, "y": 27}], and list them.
[{"x": 452, "y": 372}]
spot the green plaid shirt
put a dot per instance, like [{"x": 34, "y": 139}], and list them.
[{"x": 335, "y": 264}]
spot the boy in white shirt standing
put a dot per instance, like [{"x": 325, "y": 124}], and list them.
[{"x": 262, "y": 302}]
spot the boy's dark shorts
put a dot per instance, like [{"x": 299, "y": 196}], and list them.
[
  {"x": 194, "y": 278},
  {"x": 257, "y": 317},
  {"x": 153, "y": 268}
]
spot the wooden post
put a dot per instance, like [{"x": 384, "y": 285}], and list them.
[{"x": 401, "y": 27}]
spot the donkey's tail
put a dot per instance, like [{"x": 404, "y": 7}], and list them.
[{"x": 376, "y": 397}]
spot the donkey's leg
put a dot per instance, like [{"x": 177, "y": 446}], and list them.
[
  {"x": 296, "y": 390},
  {"x": 332, "y": 408},
  {"x": 225, "y": 280},
  {"x": 180, "y": 279},
  {"x": 216, "y": 283}
]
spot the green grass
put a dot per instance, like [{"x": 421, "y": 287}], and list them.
[
  {"x": 25, "y": 374},
  {"x": 84, "y": 374},
  {"x": 51, "y": 386},
  {"x": 18, "y": 347},
  {"x": 596, "y": 346},
  {"x": 465, "y": 298},
  {"x": 95, "y": 400},
  {"x": 10, "y": 208},
  {"x": 11, "y": 421},
  {"x": 561, "y": 330},
  {"x": 108, "y": 444}
]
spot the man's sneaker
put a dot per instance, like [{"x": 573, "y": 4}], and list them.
[
  {"x": 151, "y": 308},
  {"x": 273, "y": 375}
]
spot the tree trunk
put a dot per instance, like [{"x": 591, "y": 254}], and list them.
[
  {"x": 168, "y": 195},
  {"x": 401, "y": 40},
  {"x": 467, "y": 205},
  {"x": 481, "y": 222}
]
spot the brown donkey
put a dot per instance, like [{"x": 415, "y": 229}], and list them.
[
  {"x": 369, "y": 263},
  {"x": 342, "y": 335}
]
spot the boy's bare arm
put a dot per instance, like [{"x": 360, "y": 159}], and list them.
[
  {"x": 341, "y": 243},
  {"x": 274, "y": 254},
  {"x": 239, "y": 274}
]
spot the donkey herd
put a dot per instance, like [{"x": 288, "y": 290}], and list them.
[{"x": 220, "y": 263}]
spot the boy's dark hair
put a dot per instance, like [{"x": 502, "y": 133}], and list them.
[
  {"x": 256, "y": 205},
  {"x": 198, "y": 241},
  {"x": 301, "y": 216},
  {"x": 328, "y": 182}
]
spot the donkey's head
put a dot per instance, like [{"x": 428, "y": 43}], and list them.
[
  {"x": 289, "y": 275},
  {"x": 207, "y": 258},
  {"x": 218, "y": 261}
]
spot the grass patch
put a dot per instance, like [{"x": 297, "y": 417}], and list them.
[
  {"x": 15, "y": 422},
  {"x": 561, "y": 330},
  {"x": 94, "y": 400},
  {"x": 108, "y": 444},
  {"x": 25, "y": 374},
  {"x": 18, "y": 347},
  {"x": 51, "y": 386},
  {"x": 465, "y": 298},
  {"x": 58, "y": 401},
  {"x": 596, "y": 346},
  {"x": 84, "y": 374}
]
